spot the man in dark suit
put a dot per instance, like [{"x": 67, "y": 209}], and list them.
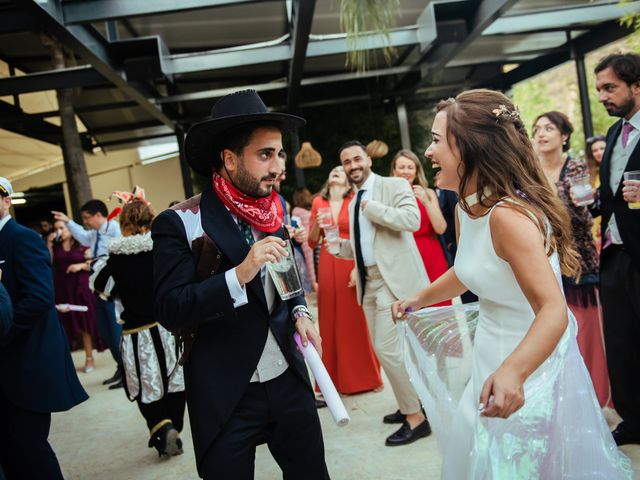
[
  {"x": 246, "y": 383},
  {"x": 618, "y": 83},
  {"x": 37, "y": 376}
]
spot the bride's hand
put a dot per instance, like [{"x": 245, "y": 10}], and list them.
[
  {"x": 502, "y": 393},
  {"x": 399, "y": 308}
]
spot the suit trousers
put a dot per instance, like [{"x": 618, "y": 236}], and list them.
[
  {"x": 281, "y": 413},
  {"x": 620, "y": 298},
  {"x": 110, "y": 330},
  {"x": 376, "y": 304},
  {"x": 25, "y": 453}
]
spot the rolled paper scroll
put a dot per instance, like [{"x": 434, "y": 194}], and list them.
[
  {"x": 328, "y": 389},
  {"x": 66, "y": 307}
]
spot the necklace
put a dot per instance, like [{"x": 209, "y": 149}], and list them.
[{"x": 473, "y": 198}]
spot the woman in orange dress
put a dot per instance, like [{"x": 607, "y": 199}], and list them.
[
  {"x": 406, "y": 164},
  {"x": 346, "y": 344}
]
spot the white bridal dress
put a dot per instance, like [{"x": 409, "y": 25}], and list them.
[{"x": 559, "y": 433}]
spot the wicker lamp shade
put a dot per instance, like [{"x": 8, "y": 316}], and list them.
[
  {"x": 377, "y": 149},
  {"x": 308, "y": 157}
]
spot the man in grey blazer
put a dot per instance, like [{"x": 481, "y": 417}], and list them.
[{"x": 382, "y": 218}]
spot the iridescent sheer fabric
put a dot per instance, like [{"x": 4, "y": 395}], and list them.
[{"x": 560, "y": 432}]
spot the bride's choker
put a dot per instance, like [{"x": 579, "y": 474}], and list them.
[{"x": 472, "y": 199}]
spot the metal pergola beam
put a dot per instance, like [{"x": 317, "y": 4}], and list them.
[
  {"x": 258, "y": 54},
  {"x": 92, "y": 48},
  {"x": 279, "y": 85},
  {"x": 89, "y": 11},
  {"x": 601, "y": 35},
  {"x": 100, "y": 107},
  {"x": 486, "y": 13},
  {"x": 124, "y": 141},
  {"x": 127, "y": 127},
  {"x": 51, "y": 80},
  {"x": 15, "y": 120},
  {"x": 301, "y": 28}
]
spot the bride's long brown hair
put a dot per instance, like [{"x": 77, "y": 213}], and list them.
[{"x": 493, "y": 143}]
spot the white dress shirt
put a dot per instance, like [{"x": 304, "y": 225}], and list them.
[
  {"x": 366, "y": 227},
  {"x": 619, "y": 159},
  {"x": 88, "y": 238},
  {"x": 272, "y": 363},
  {"x": 4, "y": 221}
]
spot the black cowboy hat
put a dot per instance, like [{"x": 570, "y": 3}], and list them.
[{"x": 202, "y": 141}]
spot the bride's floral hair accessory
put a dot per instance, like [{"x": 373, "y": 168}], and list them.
[{"x": 502, "y": 111}]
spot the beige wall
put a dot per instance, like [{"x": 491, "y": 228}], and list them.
[{"x": 162, "y": 181}]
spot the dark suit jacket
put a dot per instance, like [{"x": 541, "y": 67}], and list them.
[
  {"x": 610, "y": 202},
  {"x": 36, "y": 371},
  {"x": 229, "y": 342},
  {"x": 6, "y": 312}
]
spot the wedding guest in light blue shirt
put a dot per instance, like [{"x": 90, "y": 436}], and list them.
[{"x": 96, "y": 235}]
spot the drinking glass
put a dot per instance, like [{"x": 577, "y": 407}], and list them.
[
  {"x": 633, "y": 175},
  {"x": 581, "y": 190},
  {"x": 332, "y": 235},
  {"x": 325, "y": 217},
  {"x": 285, "y": 275}
]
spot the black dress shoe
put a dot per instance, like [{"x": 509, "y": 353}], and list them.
[
  {"x": 115, "y": 378},
  {"x": 166, "y": 441},
  {"x": 320, "y": 403},
  {"x": 113, "y": 386},
  {"x": 624, "y": 436},
  {"x": 396, "y": 417},
  {"x": 406, "y": 435}
]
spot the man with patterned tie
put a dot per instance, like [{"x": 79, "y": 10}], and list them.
[
  {"x": 618, "y": 84},
  {"x": 382, "y": 219},
  {"x": 246, "y": 382},
  {"x": 99, "y": 231}
]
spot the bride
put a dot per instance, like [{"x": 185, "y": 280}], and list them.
[{"x": 529, "y": 409}]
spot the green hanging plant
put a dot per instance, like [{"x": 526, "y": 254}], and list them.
[{"x": 359, "y": 17}]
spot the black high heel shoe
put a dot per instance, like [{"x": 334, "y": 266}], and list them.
[{"x": 166, "y": 441}]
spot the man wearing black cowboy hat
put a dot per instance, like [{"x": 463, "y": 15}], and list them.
[{"x": 246, "y": 382}]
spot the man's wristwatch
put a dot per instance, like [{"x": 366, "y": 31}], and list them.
[{"x": 301, "y": 311}]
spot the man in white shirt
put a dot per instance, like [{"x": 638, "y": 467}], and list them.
[
  {"x": 382, "y": 218},
  {"x": 618, "y": 84},
  {"x": 97, "y": 235}
]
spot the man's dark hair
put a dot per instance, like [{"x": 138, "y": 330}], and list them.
[
  {"x": 236, "y": 138},
  {"x": 95, "y": 206},
  {"x": 626, "y": 66},
  {"x": 352, "y": 143}
]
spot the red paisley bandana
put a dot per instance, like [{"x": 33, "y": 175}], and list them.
[{"x": 260, "y": 213}]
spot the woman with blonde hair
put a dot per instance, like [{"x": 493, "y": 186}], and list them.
[
  {"x": 153, "y": 377},
  {"x": 406, "y": 164},
  {"x": 528, "y": 385},
  {"x": 346, "y": 345}
]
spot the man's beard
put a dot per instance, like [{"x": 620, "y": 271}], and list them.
[
  {"x": 249, "y": 185},
  {"x": 623, "y": 110}
]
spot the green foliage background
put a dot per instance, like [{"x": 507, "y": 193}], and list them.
[{"x": 557, "y": 89}]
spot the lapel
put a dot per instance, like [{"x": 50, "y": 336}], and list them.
[
  {"x": 4, "y": 241},
  {"x": 377, "y": 196},
  {"x": 605, "y": 168},
  {"x": 220, "y": 226}
]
